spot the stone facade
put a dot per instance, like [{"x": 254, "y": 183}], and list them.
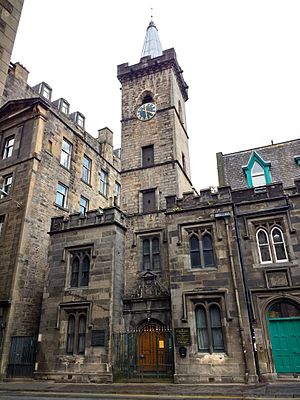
[
  {"x": 101, "y": 235},
  {"x": 157, "y": 283},
  {"x": 10, "y": 13},
  {"x": 34, "y": 167}
]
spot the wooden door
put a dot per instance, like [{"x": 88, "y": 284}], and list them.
[{"x": 152, "y": 350}]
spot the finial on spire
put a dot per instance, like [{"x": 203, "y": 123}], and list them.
[{"x": 152, "y": 46}]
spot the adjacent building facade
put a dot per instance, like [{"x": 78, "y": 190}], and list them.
[{"x": 157, "y": 281}]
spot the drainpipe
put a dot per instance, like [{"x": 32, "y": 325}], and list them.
[
  {"x": 236, "y": 295},
  {"x": 246, "y": 292}
]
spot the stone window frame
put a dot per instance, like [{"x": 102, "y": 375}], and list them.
[
  {"x": 65, "y": 309},
  {"x": 117, "y": 196},
  {"x": 66, "y": 153},
  {"x": 207, "y": 305},
  {"x": 75, "y": 335},
  {"x": 200, "y": 231},
  {"x": 86, "y": 249},
  {"x": 195, "y": 298},
  {"x": 270, "y": 244},
  {"x": 83, "y": 208},
  {"x": 7, "y": 185},
  {"x": 104, "y": 177},
  {"x": 150, "y": 234},
  {"x": 88, "y": 170},
  {"x": 2, "y": 225},
  {"x": 64, "y": 195},
  {"x": 7, "y": 147}
]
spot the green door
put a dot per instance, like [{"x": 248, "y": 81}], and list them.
[{"x": 284, "y": 328}]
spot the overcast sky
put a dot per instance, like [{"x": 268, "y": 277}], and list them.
[{"x": 241, "y": 60}]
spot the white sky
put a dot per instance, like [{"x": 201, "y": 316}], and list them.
[{"x": 241, "y": 60}]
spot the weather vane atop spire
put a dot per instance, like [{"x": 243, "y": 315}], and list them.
[{"x": 151, "y": 13}]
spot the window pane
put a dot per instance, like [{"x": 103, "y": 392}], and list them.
[
  {"x": 195, "y": 252},
  {"x": 75, "y": 272},
  {"x": 279, "y": 245},
  {"x": 85, "y": 269},
  {"x": 84, "y": 205},
  {"x": 262, "y": 237},
  {"x": 146, "y": 262},
  {"x": 156, "y": 263},
  {"x": 263, "y": 246},
  {"x": 195, "y": 260},
  {"x": 81, "y": 334},
  {"x": 103, "y": 182},
  {"x": 146, "y": 246},
  {"x": 86, "y": 169},
  {"x": 257, "y": 168},
  {"x": 284, "y": 309},
  {"x": 216, "y": 328},
  {"x": 202, "y": 334},
  {"x": 194, "y": 243},
  {"x": 207, "y": 251},
  {"x": 208, "y": 258},
  {"x": 155, "y": 246},
  {"x": 258, "y": 180},
  {"x": 70, "y": 334}
]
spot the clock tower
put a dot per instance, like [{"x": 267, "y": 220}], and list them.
[{"x": 155, "y": 154}]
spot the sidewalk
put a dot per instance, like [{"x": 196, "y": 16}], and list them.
[{"x": 269, "y": 390}]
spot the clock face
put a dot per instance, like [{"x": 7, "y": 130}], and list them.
[{"x": 146, "y": 111}]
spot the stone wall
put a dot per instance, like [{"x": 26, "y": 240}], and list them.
[{"x": 103, "y": 234}]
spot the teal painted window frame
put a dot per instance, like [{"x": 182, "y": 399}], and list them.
[
  {"x": 248, "y": 168},
  {"x": 297, "y": 160}
]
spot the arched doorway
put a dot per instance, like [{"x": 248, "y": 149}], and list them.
[{"x": 284, "y": 327}]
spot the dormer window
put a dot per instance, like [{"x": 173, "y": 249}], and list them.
[
  {"x": 80, "y": 120},
  {"x": 64, "y": 107},
  {"x": 45, "y": 91},
  {"x": 258, "y": 175},
  {"x": 257, "y": 171}
]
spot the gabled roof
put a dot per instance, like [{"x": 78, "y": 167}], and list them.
[{"x": 13, "y": 107}]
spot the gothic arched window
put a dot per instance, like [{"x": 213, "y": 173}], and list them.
[
  {"x": 209, "y": 328},
  {"x": 201, "y": 251}
]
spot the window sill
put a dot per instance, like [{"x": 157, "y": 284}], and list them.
[
  {"x": 197, "y": 269},
  {"x": 280, "y": 264},
  {"x": 71, "y": 289},
  {"x": 104, "y": 195},
  {"x": 65, "y": 168},
  {"x": 221, "y": 355},
  {"x": 86, "y": 183},
  {"x": 61, "y": 207}
]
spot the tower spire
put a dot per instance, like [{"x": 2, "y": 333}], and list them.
[{"x": 152, "y": 46}]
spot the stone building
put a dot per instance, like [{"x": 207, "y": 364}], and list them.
[
  {"x": 10, "y": 13},
  {"x": 49, "y": 166},
  {"x": 266, "y": 207},
  {"x": 159, "y": 282}
]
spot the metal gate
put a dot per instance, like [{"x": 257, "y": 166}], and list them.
[
  {"x": 22, "y": 357},
  {"x": 144, "y": 354}
]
